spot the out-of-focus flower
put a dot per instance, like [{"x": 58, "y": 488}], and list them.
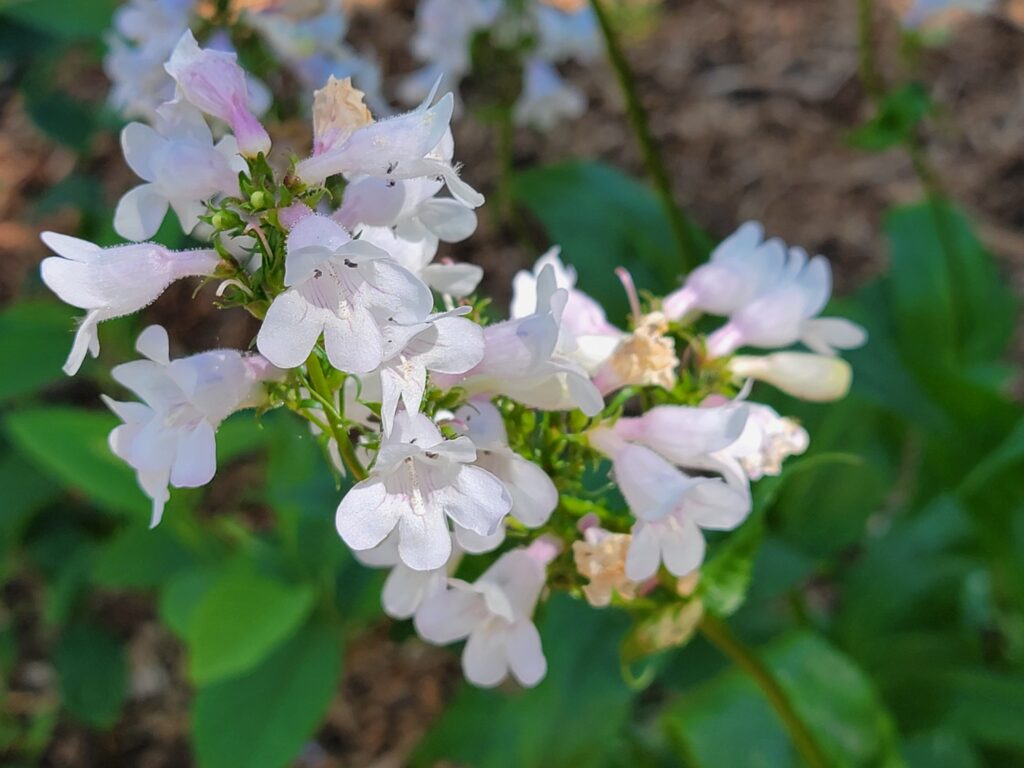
[
  {"x": 111, "y": 282},
  {"x": 169, "y": 438},
  {"x": 495, "y": 614},
  {"x": 181, "y": 166},
  {"x": 547, "y": 99},
  {"x": 418, "y": 481},
  {"x": 344, "y": 288},
  {"x": 215, "y": 83}
]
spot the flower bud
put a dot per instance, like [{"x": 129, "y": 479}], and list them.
[{"x": 801, "y": 374}]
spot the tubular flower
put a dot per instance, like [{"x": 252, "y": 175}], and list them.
[
  {"x": 168, "y": 439},
  {"x": 111, "y": 282}
]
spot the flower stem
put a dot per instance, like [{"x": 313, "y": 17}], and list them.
[
  {"x": 346, "y": 450},
  {"x": 719, "y": 635},
  {"x": 689, "y": 252}
]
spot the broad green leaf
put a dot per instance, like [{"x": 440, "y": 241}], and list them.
[
  {"x": 35, "y": 337},
  {"x": 62, "y": 18},
  {"x": 263, "y": 718},
  {"x": 939, "y": 749},
  {"x": 570, "y": 719},
  {"x": 182, "y": 595},
  {"x": 727, "y": 722},
  {"x": 70, "y": 445},
  {"x": 602, "y": 219},
  {"x": 725, "y": 576},
  {"x": 26, "y": 490},
  {"x": 138, "y": 558},
  {"x": 93, "y": 674},
  {"x": 987, "y": 706},
  {"x": 239, "y": 620}
]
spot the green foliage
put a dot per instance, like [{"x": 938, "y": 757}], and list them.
[
  {"x": 261, "y": 719},
  {"x": 93, "y": 674},
  {"x": 727, "y": 722},
  {"x": 38, "y": 331},
  {"x": 70, "y": 445},
  {"x": 602, "y": 219},
  {"x": 239, "y": 619},
  {"x": 899, "y": 114}
]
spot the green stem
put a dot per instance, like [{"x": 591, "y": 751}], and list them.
[
  {"x": 346, "y": 450},
  {"x": 689, "y": 252},
  {"x": 719, "y": 635}
]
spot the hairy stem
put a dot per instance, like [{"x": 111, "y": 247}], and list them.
[
  {"x": 719, "y": 635},
  {"x": 320, "y": 386},
  {"x": 689, "y": 253}
]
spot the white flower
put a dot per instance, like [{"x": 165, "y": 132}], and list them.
[
  {"x": 395, "y": 148},
  {"x": 923, "y": 11},
  {"x": 419, "y": 480},
  {"x": 739, "y": 268},
  {"x": 495, "y": 614},
  {"x": 671, "y": 508},
  {"x": 169, "y": 437},
  {"x": 818, "y": 378},
  {"x": 111, "y": 282},
  {"x": 449, "y": 278},
  {"x": 215, "y": 83},
  {"x": 567, "y": 34},
  {"x": 547, "y": 99},
  {"x": 343, "y": 288},
  {"x": 522, "y": 359},
  {"x": 143, "y": 36},
  {"x": 534, "y": 496},
  {"x": 405, "y": 588},
  {"x": 442, "y": 343},
  {"x": 181, "y": 166}
]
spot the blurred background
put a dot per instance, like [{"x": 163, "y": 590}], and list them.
[{"x": 886, "y": 590}]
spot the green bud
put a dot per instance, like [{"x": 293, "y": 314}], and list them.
[
  {"x": 223, "y": 220},
  {"x": 259, "y": 199}
]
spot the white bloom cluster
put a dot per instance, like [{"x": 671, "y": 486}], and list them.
[
  {"x": 557, "y": 33},
  {"x": 431, "y": 413},
  {"x": 307, "y": 38}
]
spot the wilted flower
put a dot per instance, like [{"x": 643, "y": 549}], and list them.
[
  {"x": 601, "y": 557},
  {"x": 168, "y": 439},
  {"x": 111, "y": 282},
  {"x": 418, "y": 482}
]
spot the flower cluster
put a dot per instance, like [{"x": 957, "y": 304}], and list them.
[
  {"x": 305, "y": 38},
  {"x": 538, "y": 35},
  {"x": 458, "y": 437}
]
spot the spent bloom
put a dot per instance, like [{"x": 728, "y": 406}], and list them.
[
  {"x": 169, "y": 438},
  {"x": 111, "y": 282}
]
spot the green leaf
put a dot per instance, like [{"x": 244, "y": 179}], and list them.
[
  {"x": 93, "y": 674},
  {"x": 987, "y": 706},
  {"x": 26, "y": 491},
  {"x": 939, "y": 749},
  {"x": 898, "y": 115},
  {"x": 263, "y": 718},
  {"x": 70, "y": 445},
  {"x": 725, "y": 576},
  {"x": 35, "y": 337},
  {"x": 239, "y": 620},
  {"x": 602, "y": 219},
  {"x": 727, "y": 722},
  {"x": 570, "y": 719},
  {"x": 138, "y": 558},
  {"x": 62, "y": 18}
]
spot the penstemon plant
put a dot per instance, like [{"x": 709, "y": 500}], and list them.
[{"x": 475, "y": 454}]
